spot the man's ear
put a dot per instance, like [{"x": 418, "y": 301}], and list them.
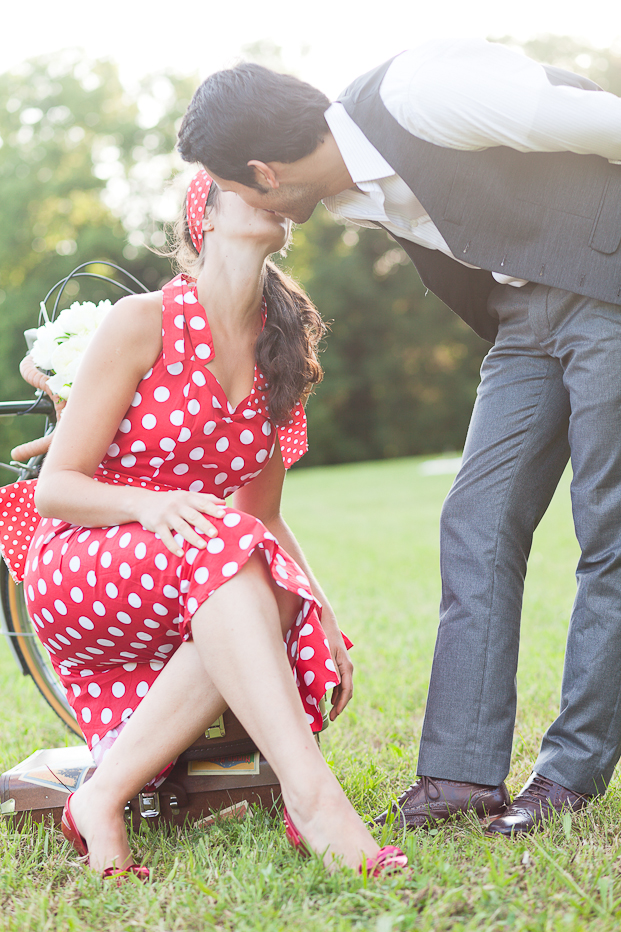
[{"x": 264, "y": 173}]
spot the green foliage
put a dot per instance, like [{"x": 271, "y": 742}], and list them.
[
  {"x": 73, "y": 143},
  {"x": 401, "y": 370}
]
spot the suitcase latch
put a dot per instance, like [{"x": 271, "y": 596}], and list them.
[
  {"x": 149, "y": 804},
  {"x": 7, "y": 807},
  {"x": 217, "y": 730}
]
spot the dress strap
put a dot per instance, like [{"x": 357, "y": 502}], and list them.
[
  {"x": 185, "y": 328},
  {"x": 173, "y": 323}
]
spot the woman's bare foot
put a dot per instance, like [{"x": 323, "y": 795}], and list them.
[
  {"x": 102, "y": 825},
  {"x": 332, "y": 828}
]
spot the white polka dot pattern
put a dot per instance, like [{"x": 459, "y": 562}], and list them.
[
  {"x": 195, "y": 204},
  {"x": 111, "y": 605},
  {"x": 19, "y": 520},
  {"x": 129, "y": 625}
]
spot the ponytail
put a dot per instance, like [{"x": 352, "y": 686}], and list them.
[{"x": 286, "y": 350}]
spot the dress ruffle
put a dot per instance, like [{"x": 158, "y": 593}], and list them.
[
  {"x": 19, "y": 520},
  {"x": 70, "y": 625}
]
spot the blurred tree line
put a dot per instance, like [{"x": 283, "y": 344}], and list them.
[{"x": 85, "y": 171}]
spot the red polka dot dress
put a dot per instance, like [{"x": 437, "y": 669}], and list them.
[{"x": 111, "y": 605}]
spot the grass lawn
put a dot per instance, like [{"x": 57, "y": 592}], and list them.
[{"x": 371, "y": 533}]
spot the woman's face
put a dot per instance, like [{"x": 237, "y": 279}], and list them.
[{"x": 230, "y": 217}]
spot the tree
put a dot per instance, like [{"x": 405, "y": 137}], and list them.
[
  {"x": 82, "y": 164},
  {"x": 401, "y": 369}
]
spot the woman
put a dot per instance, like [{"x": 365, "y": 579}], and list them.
[{"x": 157, "y": 602}]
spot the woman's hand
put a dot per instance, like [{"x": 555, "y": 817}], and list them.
[
  {"x": 179, "y": 512},
  {"x": 342, "y": 693}
]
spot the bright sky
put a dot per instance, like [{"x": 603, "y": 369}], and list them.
[{"x": 326, "y": 42}]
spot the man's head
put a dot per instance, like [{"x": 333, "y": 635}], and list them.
[{"x": 257, "y": 133}]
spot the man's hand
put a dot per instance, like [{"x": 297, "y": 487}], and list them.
[
  {"x": 25, "y": 451},
  {"x": 39, "y": 380}
]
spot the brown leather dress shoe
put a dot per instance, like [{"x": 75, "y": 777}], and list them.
[
  {"x": 429, "y": 802},
  {"x": 539, "y": 800}
]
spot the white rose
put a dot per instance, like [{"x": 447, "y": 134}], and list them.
[
  {"x": 45, "y": 345},
  {"x": 82, "y": 317},
  {"x": 69, "y": 351},
  {"x": 60, "y": 344},
  {"x": 58, "y": 385},
  {"x": 65, "y": 362}
]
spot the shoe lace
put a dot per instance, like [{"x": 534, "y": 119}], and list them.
[
  {"x": 537, "y": 790},
  {"x": 430, "y": 787}
]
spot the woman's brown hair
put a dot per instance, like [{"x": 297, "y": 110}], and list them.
[{"x": 286, "y": 349}]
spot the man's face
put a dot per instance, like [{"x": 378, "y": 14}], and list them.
[{"x": 295, "y": 201}]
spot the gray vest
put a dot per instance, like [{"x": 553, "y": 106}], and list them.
[{"x": 553, "y": 218}]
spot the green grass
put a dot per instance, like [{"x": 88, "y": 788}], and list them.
[{"x": 371, "y": 533}]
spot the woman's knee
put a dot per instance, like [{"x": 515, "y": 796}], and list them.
[{"x": 288, "y": 603}]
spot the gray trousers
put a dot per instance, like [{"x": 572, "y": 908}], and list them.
[{"x": 550, "y": 388}]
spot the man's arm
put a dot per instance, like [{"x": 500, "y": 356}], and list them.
[{"x": 473, "y": 94}]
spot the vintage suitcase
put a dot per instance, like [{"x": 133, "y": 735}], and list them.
[{"x": 222, "y": 773}]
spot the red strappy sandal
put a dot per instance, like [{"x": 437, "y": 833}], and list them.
[
  {"x": 293, "y": 836},
  {"x": 388, "y": 859},
  {"x": 71, "y": 833}
]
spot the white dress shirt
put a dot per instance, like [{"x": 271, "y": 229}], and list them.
[{"x": 465, "y": 94}]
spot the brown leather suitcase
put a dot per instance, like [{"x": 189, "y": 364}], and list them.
[{"x": 222, "y": 773}]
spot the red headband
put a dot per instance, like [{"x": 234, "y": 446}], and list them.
[{"x": 195, "y": 206}]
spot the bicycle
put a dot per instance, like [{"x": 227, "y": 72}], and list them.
[{"x": 15, "y": 623}]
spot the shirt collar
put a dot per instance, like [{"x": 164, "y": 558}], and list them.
[{"x": 362, "y": 160}]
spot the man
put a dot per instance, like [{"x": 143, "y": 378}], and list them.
[{"x": 501, "y": 178}]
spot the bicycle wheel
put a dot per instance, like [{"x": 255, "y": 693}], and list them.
[
  {"x": 29, "y": 651},
  {"x": 22, "y": 639}
]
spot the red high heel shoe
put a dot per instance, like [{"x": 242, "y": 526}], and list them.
[
  {"x": 388, "y": 859},
  {"x": 71, "y": 833},
  {"x": 293, "y": 836}
]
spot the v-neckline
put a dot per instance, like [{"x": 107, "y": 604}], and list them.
[
  {"x": 208, "y": 336},
  {"x": 244, "y": 401}
]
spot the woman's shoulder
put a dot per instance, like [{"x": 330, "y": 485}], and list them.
[
  {"x": 134, "y": 325},
  {"x": 136, "y": 313},
  {"x": 140, "y": 305}
]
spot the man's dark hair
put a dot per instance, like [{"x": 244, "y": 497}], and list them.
[{"x": 249, "y": 112}]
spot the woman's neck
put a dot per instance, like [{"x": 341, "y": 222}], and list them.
[{"x": 230, "y": 285}]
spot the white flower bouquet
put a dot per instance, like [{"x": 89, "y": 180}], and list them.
[{"x": 59, "y": 345}]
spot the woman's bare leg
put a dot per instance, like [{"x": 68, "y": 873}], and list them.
[
  {"x": 237, "y": 659},
  {"x": 238, "y": 636},
  {"x": 179, "y": 707}
]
